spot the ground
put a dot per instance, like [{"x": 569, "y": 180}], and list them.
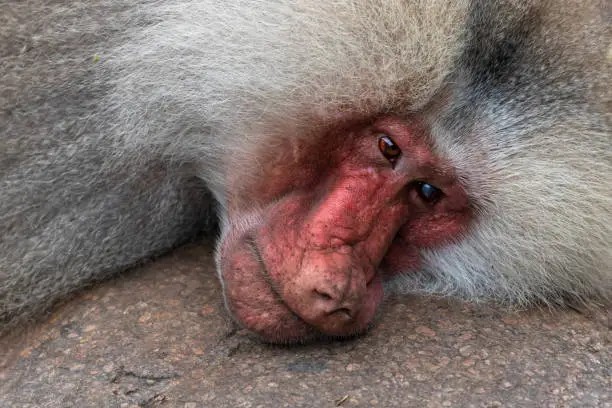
[{"x": 159, "y": 337}]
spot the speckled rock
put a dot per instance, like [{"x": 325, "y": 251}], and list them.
[{"x": 159, "y": 337}]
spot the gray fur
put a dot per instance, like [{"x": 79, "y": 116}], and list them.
[{"x": 116, "y": 119}]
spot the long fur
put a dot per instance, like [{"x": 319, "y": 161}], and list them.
[{"x": 118, "y": 119}]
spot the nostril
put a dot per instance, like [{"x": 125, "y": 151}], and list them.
[
  {"x": 323, "y": 295},
  {"x": 332, "y": 307},
  {"x": 339, "y": 303}
]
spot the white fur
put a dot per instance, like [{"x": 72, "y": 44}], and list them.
[{"x": 111, "y": 107}]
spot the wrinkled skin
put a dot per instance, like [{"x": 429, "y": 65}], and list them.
[{"x": 315, "y": 261}]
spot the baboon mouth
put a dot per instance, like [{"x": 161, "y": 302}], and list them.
[{"x": 268, "y": 315}]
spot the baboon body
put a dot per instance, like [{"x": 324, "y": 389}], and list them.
[{"x": 129, "y": 127}]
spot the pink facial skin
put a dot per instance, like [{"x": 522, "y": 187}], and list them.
[{"x": 338, "y": 223}]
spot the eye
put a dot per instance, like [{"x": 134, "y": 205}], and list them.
[
  {"x": 428, "y": 193},
  {"x": 388, "y": 148}
]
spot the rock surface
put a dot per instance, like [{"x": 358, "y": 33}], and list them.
[{"x": 159, "y": 337}]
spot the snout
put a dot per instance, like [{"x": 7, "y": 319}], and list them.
[{"x": 331, "y": 289}]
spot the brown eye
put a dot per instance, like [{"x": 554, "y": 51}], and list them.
[{"x": 388, "y": 148}]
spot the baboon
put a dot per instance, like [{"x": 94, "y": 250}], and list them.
[{"x": 345, "y": 149}]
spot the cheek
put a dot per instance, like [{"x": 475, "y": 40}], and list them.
[
  {"x": 424, "y": 231},
  {"x": 401, "y": 257},
  {"x": 435, "y": 230},
  {"x": 251, "y": 299}
]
